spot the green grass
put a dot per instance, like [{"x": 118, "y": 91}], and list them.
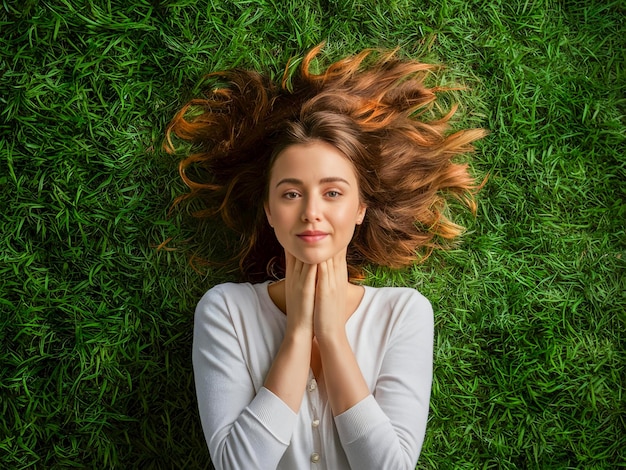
[{"x": 95, "y": 325}]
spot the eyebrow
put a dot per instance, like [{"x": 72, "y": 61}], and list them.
[{"x": 330, "y": 179}]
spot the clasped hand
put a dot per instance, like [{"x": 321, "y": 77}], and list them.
[{"x": 315, "y": 296}]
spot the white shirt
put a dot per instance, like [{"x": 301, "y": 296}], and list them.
[{"x": 238, "y": 331}]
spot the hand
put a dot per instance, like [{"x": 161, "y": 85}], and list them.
[
  {"x": 329, "y": 318},
  {"x": 290, "y": 369},
  {"x": 299, "y": 295}
]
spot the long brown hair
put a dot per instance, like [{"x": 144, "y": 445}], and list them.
[{"x": 371, "y": 107}]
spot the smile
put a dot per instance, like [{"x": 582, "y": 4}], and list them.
[{"x": 312, "y": 236}]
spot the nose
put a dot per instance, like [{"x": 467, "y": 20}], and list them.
[{"x": 311, "y": 210}]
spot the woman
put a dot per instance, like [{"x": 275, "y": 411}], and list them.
[{"x": 321, "y": 176}]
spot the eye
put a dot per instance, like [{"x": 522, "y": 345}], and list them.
[
  {"x": 291, "y": 195},
  {"x": 333, "y": 194}
]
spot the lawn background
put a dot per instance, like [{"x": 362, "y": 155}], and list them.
[{"x": 95, "y": 325}]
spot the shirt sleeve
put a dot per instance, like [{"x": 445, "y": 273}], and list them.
[
  {"x": 243, "y": 428},
  {"x": 387, "y": 428}
]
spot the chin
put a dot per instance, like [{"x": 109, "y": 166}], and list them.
[
  {"x": 314, "y": 258},
  {"x": 311, "y": 259}
]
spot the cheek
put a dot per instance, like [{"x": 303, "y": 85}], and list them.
[
  {"x": 346, "y": 217},
  {"x": 281, "y": 216}
]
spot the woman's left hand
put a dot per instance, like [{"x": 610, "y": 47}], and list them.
[
  {"x": 329, "y": 318},
  {"x": 345, "y": 385}
]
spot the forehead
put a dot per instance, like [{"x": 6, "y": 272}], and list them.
[{"x": 312, "y": 160}]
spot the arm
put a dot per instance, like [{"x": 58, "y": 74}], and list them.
[
  {"x": 243, "y": 429},
  {"x": 386, "y": 429},
  {"x": 290, "y": 369},
  {"x": 345, "y": 384}
]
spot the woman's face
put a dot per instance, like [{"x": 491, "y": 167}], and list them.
[{"x": 313, "y": 201}]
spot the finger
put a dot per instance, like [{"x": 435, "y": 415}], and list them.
[
  {"x": 297, "y": 267},
  {"x": 289, "y": 262},
  {"x": 340, "y": 266},
  {"x": 322, "y": 275},
  {"x": 304, "y": 269},
  {"x": 309, "y": 273},
  {"x": 330, "y": 267},
  {"x": 306, "y": 281}
]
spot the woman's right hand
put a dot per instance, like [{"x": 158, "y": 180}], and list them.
[
  {"x": 289, "y": 373},
  {"x": 300, "y": 281}
]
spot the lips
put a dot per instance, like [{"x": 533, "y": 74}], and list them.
[{"x": 312, "y": 236}]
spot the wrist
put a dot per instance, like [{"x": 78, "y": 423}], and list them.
[
  {"x": 332, "y": 339},
  {"x": 298, "y": 334}
]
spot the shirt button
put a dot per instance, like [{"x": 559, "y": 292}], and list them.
[
  {"x": 316, "y": 423},
  {"x": 312, "y": 385},
  {"x": 315, "y": 457}
]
